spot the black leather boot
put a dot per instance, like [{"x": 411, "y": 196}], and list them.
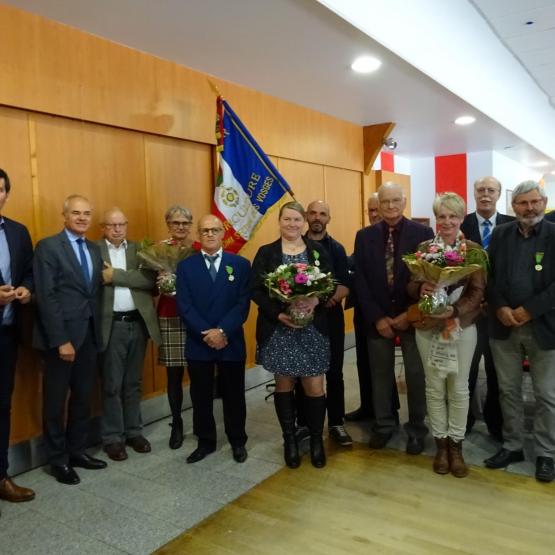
[
  {"x": 315, "y": 409},
  {"x": 285, "y": 410},
  {"x": 176, "y": 437}
]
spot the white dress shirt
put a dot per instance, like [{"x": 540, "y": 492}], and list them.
[
  {"x": 123, "y": 300},
  {"x": 218, "y": 260},
  {"x": 481, "y": 220}
]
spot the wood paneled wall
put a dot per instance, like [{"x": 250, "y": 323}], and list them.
[{"x": 83, "y": 115}]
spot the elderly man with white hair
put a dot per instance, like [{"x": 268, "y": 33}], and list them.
[{"x": 521, "y": 293}]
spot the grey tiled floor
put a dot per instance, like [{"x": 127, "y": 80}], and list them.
[{"x": 140, "y": 504}]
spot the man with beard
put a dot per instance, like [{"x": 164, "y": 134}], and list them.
[
  {"x": 318, "y": 218},
  {"x": 521, "y": 293},
  {"x": 478, "y": 227}
]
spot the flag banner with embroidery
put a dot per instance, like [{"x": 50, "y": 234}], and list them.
[{"x": 247, "y": 185}]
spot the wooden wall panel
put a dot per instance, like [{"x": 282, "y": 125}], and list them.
[
  {"x": 57, "y": 69},
  {"x": 306, "y": 180},
  {"x": 15, "y": 159},
  {"x": 103, "y": 163},
  {"x": 343, "y": 192}
]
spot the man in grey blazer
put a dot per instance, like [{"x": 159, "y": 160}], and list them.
[
  {"x": 127, "y": 319},
  {"x": 68, "y": 275},
  {"x": 521, "y": 301}
]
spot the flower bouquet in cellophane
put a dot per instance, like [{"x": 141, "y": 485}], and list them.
[
  {"x": 444, "y": 265},
  {"x": 163, "y": 257},
  {"x": 294, "y": 284}
]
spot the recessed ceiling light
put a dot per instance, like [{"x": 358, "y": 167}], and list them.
[
  {"x": 366, "y": 64},
  {"x": 465, "y": 120},
  {"x": 539, "y": 164},
  {"x": 553, "y": 172}
]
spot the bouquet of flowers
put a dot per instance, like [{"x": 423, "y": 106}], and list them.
[
  {"x": 163, "y": 257},
  {"x": 444, "y": 265},
  {"x": 294, "y": 284}
]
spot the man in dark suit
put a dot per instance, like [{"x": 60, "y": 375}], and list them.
[
  {"x": 381, "y": 280},
  {"x": 68, "y": 274},
  {"x": 127, "y": 318},
  {"x": 521, "y": 301},
  {"x": 478, "y": 227},
  {"x": 213, "y": 299},
  {"x": 16, "y": 284}
]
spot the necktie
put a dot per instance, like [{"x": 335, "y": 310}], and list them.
[
  {"x": 390, "y": 258},
  {"x": 486, "y": 233},
  {"x": 83, "y": 261},
  {"x": 212, "y": 267}
]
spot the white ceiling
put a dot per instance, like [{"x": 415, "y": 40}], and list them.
[
  {"x": 527, "y": 28},
  {"x": 300, "y": 51}
]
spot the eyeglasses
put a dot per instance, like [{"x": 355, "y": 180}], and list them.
[
  {"x": 176, "y": 223},
  {"x": 525, "y": 203},
  {"x": 210, "y": 230},
  {"x": 115, "y": 226},
  {"x": 488, "y": 190},
  {"x": 394, "y": 201}
]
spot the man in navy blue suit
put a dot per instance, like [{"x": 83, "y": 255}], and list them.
[
  {"x": 213, "y": 299},
  {"x": 381, "y": 280},
  {"x": 16, "y": 284}
]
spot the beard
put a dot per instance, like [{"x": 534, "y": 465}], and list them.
[
  {"x": 530, "y": 220},
  {"x": 317, "y": 227}
]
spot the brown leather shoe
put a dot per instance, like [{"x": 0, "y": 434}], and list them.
[
  {"x": 116, "y": 451},
  {"x": 139, "y": 444},
  {"x": 13, "y": 493},
  {"x": 441, "y": 460},
  {"x": 456, "y": 460}
]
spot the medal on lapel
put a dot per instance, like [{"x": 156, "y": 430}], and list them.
[
  {"x": 539, "y": 257},
  {"x": 229, "y": 270}
]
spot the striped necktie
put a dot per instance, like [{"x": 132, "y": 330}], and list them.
[{"x": 486, "y": 233}]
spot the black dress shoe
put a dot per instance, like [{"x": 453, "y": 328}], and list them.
[
  {"x": 86, "y": 461},
  {"x": 239, "y": 454},
  {"x": 415, "y": 445},
  {"x": 545, "y": 472},
  {"x": 358, "y": 415},
  {"x": 378, "y": 441},
  {"x": 64, "y": 474},
  {"x": 504, "y": 458},
  {"x": 139, "y": 444},
  {"x": 199, "y": 453}
]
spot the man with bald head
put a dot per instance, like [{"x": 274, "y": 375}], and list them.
[
  {"x": 381, "y": 286},
  {"x": 127, "y": 319},
  {"x": 213, "y": 299},
  {"x": 68, "y": 275},
  {"x": 478, "y": 227},
  {"x": 373, "y": 206},
  {"x": 318, "y": 217}
]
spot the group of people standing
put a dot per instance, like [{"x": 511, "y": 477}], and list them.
[
  {"x": 504, "y": 314},
  {"x": 95, "y": 297}
]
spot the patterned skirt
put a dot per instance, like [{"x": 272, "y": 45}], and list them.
[
  {"x": 296, "y": 352},
  {"x": 171, "y": 352}
]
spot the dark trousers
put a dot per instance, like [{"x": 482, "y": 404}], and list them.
[
  {"x": 78, "y": 378},
  {"x": 8, "y": 357},
  {"x": 335, "y": 386},
  {"x": 381, "y": 352},
  {"x": 232, "y": 376},
  {"x": 493, "y": 416},
  {"x": 363, "y": 363},
  {"x": 122, "y": 372}
]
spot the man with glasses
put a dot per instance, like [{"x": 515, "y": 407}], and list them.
[
  {"x": 521, "y": 301},
  {"x": 381, "y": 280},
  {"x": 127, "y": 319},
  {"x": 213, "y": 299},
  {"x": 478, "y": 227}
]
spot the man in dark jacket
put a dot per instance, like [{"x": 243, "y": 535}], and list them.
[
  {"x": 381, "y": 280},
  {"x": 521, "y": 301},
  {"x": 16, "y": 284},
  {"x": 478, "y": 227}
]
